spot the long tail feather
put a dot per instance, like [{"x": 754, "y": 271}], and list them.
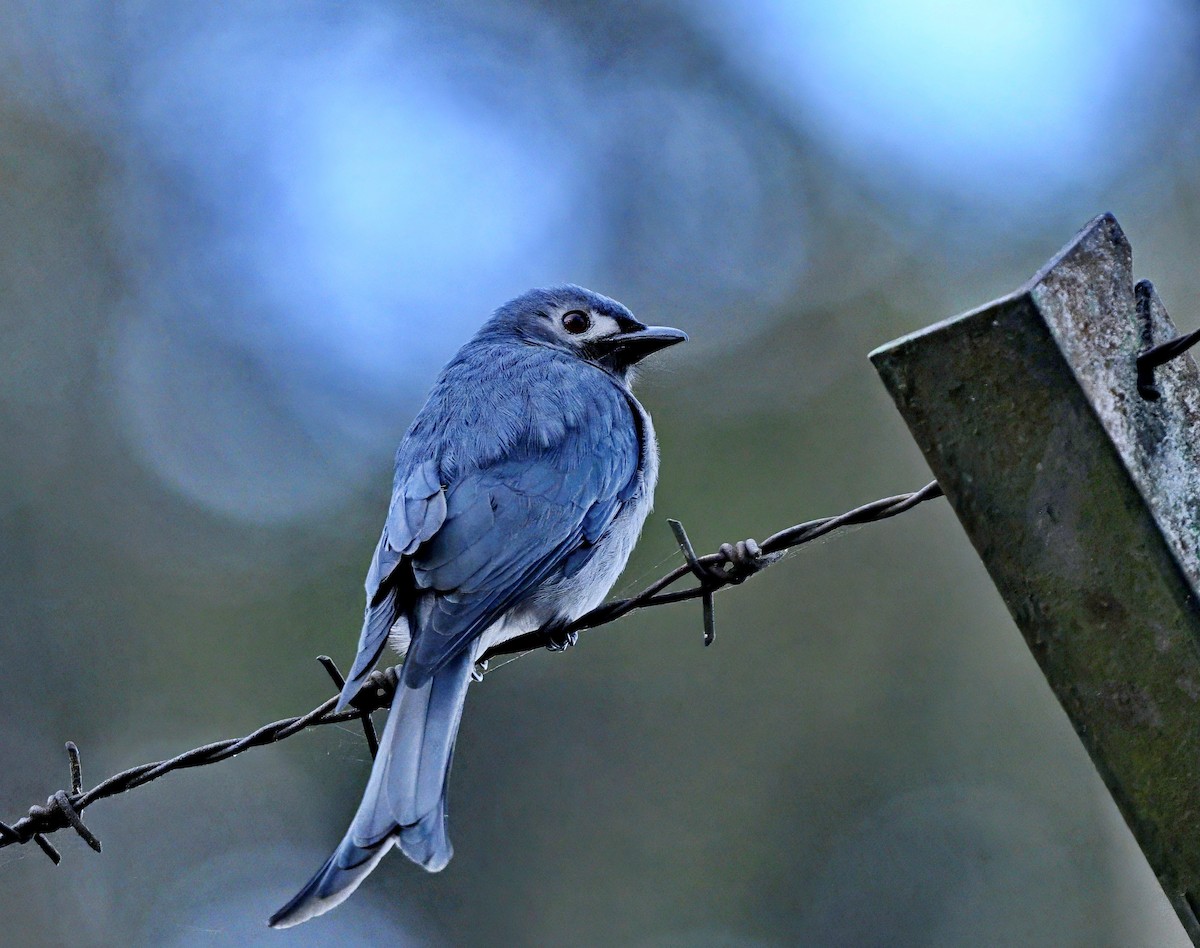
[{"x": 405, "y": 800}]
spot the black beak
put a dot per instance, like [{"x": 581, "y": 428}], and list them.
[{"x": 635, "y": 344}]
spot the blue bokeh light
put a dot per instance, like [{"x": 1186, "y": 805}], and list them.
[
  {"x": 414, "y": 214},
  {"x": 351, "y": 211},
  {"x": 333, "y": 205},
  {"x": 1001, "y": 102},
  {"x": 361, "y": 186}
]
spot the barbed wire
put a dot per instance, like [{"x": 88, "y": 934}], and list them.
[
  {"x": 733, "y": 563},
  {"x": 1151, "y": 357}
]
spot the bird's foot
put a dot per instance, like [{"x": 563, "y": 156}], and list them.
[{"x": 559, "y": 638}]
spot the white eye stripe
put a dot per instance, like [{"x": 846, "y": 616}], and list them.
[{"x": 599, "y": 327}]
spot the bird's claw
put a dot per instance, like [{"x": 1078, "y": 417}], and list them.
[
  {"x": 479, "y": 670},
  {"x": 558, "y": 641}
]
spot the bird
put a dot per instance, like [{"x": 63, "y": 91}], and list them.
[{"x": 520, "y": 489}]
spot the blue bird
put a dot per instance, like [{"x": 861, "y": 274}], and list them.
[{"x": 520, "y": 490}]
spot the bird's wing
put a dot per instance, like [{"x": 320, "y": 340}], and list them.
[
  {"x": 417, "y": 512},
  {"x": 515, "y": 523}
]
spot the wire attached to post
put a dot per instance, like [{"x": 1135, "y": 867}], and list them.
[{"x": 1153, "y": 356}]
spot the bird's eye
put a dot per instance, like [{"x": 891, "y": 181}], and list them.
[{"x": 576, "y": 321}]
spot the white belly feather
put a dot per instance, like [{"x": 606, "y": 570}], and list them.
[{"x": 571, "y": 597}]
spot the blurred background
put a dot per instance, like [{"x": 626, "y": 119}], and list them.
[{"x": 238, "y": 241}]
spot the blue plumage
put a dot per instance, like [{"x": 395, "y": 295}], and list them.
[{"x": 520, "y": 489}]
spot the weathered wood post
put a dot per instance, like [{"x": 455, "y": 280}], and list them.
[{"x": 1082, "y": 497}]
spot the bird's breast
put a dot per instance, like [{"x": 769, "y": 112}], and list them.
[
  {"x": 568, "y": 597},
  {"x": 572, "y": 596}
]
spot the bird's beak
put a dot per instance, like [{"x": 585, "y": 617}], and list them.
[{"x": 636, "y": 344}]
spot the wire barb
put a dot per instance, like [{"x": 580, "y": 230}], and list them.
[
  {"x": 72, "y": 815},
  {"x": 732, "y": 564},
  {"x": 9, "y": 835},
  {"x": 76, "y": 768},
  {"x": 339, "y": 682},
  {"x": 48, "y": 848},
  {"x": 707, "y": 582}
]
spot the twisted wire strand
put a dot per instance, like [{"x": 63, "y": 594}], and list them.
[
  {"x": 725, "y": 567},
  {"x": 730, "y": 565}
]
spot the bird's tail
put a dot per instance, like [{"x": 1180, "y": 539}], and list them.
[{"x": 405, "y": 800}]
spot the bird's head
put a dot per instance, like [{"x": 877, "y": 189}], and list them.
[{"x": 585, "y": 324}]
